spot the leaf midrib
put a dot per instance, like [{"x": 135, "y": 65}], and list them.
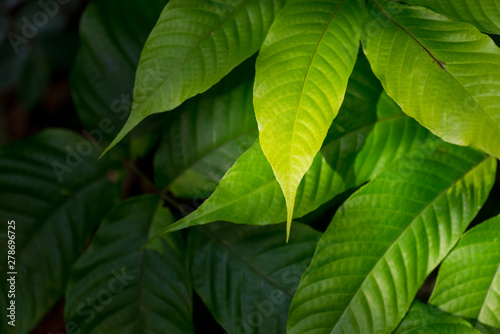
[
  {"x": 479, "y": 164},
  {"x": 441, "y": 64}
]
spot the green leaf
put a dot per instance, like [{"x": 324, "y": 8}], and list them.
[
  {"x": 468, "y": 282},
  {"x": 247, "y": 275},
  {"x": 194, "y": 44},
  {"x": 112, "y": 33},
  {"x": 445, "y": 74},
  {"x": 425, "y": 319},
  {"x": 484, "y": 14},
  {"x": 56, "y": 191},
  {"x": 387, "y": 237},
  {"x": 301, "y": 78},
  {"x": 114, "y": 288},
  {"x": 204, "y": 137},
  {"x": 249, "y": 193}
]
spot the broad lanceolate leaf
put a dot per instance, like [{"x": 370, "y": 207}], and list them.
[
  {"x": 113, "y": 33},
  {"x": 484, "y": 14},
  {"x": 387, "y": 237},
  {"x": 56, "y": 191},
  {"x": 445, "y": 74},
  {"x": 425, "y": 319},
  {"x": 468, "y": 283},
  {"x": 194, "y": 44},
  {"x": 203, "y": 139},
  {"x": 247, "y": 275},
  {"x": 301, "y": 78},
  {"x": 249, "y": 193},
  {"x": 115, "y": 288}
]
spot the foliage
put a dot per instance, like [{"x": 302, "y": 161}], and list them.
[{"x": 373, "y": 125}]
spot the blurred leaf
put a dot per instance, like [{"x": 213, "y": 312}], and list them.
[
  {"x": 57, "y": 191},
  {"x": 468, "y": 282},
  {"x": 247, "y": 275},
  {"x": 425, "y": 319},
  {"x": 203, "y": 139},
  {"x": 301, "y": 78},
  {"x": 484, "y": 14},
  {"x": 11, "y": 64},
  {"x": 388, "y": 237},
  {"x": 194, "y": 44},
  {"x": 443, "y": 73},
  {"x": 34, "y": 78},
  {"x": 113, "y": 33},
  {"x": 115, "y": 288},
  {"x": 250, "y": 194}
]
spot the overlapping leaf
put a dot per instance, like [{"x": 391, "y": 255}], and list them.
[
  {"x": 247, "y": 275},
  {"x": 468, "y": 283},
  {"x": 113, "y": 33},
  {"x": 387, "y": 237},
  {"x": 57, "y": 191},
  {"x": 301, "y": 78},
  {"x": 425, "y": 319},
  {"x": 445, "y": 74},
  {"x": 114, "y": 288},
  {"x": 249, "y": 193},
  {"x": 484, "y": 14},
  {"x": 194, "y": 44},
  {"x": 203, "y": 139}
]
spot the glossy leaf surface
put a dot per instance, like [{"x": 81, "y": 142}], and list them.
[
  {"x": 443, "y": 73},
  {"x": 301, "y": 77},
  {"x": 468, "y": 283},
  {"x": 387, "y": 238},
  {"x": 194, "y": 44}
]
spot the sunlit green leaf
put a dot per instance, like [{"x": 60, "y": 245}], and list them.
[
  {"x": 194, "y": 44},
  {"x": 468, "y": 283},
  {"x": 301, "y": 78},
  {"x": 445, "y": 74},
  {"x": 484, "y": 14},
  {"x": 387, "y": 237}
]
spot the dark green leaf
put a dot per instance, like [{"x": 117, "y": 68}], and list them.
[
  {"x": 113, "y": 33},
  {"x": 115, "y": 288},
  {"x": 203, "y": 139},
  {"x": 247, "y": 275},
  {"x": 57, "y": 192}
]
